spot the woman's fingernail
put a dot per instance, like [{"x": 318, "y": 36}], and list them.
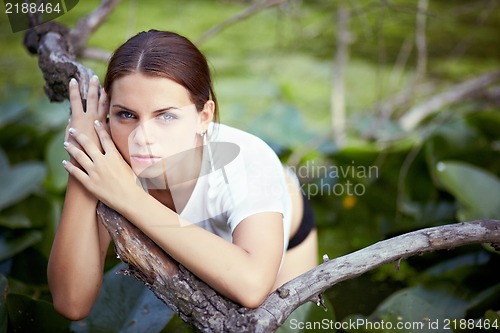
[
  {"x": 95, "y": 78},
  {"x": 72, "y": 82},
  {"x": 72, "y": 130},
  {"x": 65, "y": 144},
  {"x": 64, "y": 162},
  {"x": 97, "y": 123}
]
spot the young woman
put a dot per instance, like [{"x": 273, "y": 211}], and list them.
[{"x": 215, "y": 198}]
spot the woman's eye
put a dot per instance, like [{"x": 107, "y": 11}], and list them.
[
  {"x": 125, "y": 115},
  {"x": 166, "y": 117}
]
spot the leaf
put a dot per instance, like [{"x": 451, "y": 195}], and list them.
[
  {"x": 124, "y": 305},
  {"x": 4, "y": 288},
  {"x": 11, "y": 111},
  {"x": 47, "y": 115},
  {"x": 4, "y": 161},
  {"x": 281, "y": 124},
  {"x": 485, "y": 299},
  {"x": 19, "y": 181},
  {"x": 420, "y": 306},
  {"x": 467, "y": 262},
  {"x": 16, "y": 221},
  {"x": 476, "y": 189},
  {"x": 30, "y": 315},
  {"x": 10, "y": 245}
]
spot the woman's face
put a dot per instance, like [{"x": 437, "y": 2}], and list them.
[{"x": 152, "y": 119}]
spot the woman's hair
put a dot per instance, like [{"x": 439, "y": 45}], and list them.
[{"x": 164, "y": 54}]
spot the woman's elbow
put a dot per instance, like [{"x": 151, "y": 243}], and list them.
[
  {"x": 254, "y": 293},
  {"x": 71, "y": 310},
  {"x": 252, "y": 301}
]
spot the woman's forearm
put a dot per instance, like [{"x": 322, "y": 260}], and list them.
[
  {"x": 76, "y": 260},
  {"x": 245, "y": 274}
]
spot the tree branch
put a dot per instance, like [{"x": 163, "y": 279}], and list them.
[
  {"x": 337, "y": 96},
  {"x": 80, "y": 34},
  {"x": 57, "y": 48},
  {"x": 251, "y": 10},
  {"x": 456, "y": 93},
  {"x": 200, "y": 306}
]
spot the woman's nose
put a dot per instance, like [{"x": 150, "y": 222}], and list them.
[{"x": 141, "y": 135}]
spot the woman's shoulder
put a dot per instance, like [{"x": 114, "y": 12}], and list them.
[{"x": 247, "y": 142}]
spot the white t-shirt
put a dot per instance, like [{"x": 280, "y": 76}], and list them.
[{"x": 240, "y": 176}]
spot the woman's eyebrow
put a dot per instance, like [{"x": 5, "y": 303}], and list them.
[
  {"x": 168, "y": 108},
  {"x": 122, "y": 107}
]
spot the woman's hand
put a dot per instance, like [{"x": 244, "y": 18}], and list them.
[
  {"x": 82, "y": 119},
  {"x": 104, "y": 173}
]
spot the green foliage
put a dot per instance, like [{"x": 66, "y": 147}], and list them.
[
  {"x": 137, "y": 311},
  {"x": 476, "y": 190},
  {"x": 31, "y": 315}
]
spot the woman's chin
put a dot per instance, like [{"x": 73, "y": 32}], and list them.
[{"x": 151, "y": 172}]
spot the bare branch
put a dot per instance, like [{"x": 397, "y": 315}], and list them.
[
  {"x": 96, "y": 54},
  {"x": 80, "y": 34},
  {"x": 337, "y": 95},
  {"x": 251, "y": 10},
  {"x": 421, "y": 40},
  {"x": 456, "y": 93}
]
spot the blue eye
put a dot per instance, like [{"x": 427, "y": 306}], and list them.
[{"x": 166, "y": 117}]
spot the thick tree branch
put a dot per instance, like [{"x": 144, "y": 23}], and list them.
[
  {"x": 200, "y": 306},
  {"x": 57, "y": 48}
]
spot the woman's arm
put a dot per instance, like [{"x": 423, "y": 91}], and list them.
[
  {"x": 244, "y": 270},
  {"x": 76, "y": 260}
]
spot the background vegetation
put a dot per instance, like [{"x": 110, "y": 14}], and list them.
[{"x": 273, "y": 74}]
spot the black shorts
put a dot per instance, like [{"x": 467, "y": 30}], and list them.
[{"x": 306, "y": 225}]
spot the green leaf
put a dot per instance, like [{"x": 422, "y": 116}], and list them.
[
  {"x": 47, "y": 115},
  {"x": 282, "y": 124},
  {"x": 4, "y": 288},
  {"x": 16, "y": 221},
  {"x": 11, "y": 245},
  {"x": 30, "y": 315},
  {"x": 19, "y": 181},
  {"x": 487, "y": 298},
  {"x": 450, "y": 267},
  {"x": 124, "y": 305},
  {"x": 477, "y": 190},
  {"x": 4, "y": 161},
  {"x": 420, "y": 305},
  {"x": 11, "y": 111}
]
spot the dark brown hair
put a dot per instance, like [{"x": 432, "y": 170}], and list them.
[{"x": 164, "y": 54}]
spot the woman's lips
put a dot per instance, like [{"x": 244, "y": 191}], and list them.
[{"x": 145, "y": 159}]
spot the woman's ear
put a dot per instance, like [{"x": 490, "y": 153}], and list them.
[{"x": 207, "y": 115}]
